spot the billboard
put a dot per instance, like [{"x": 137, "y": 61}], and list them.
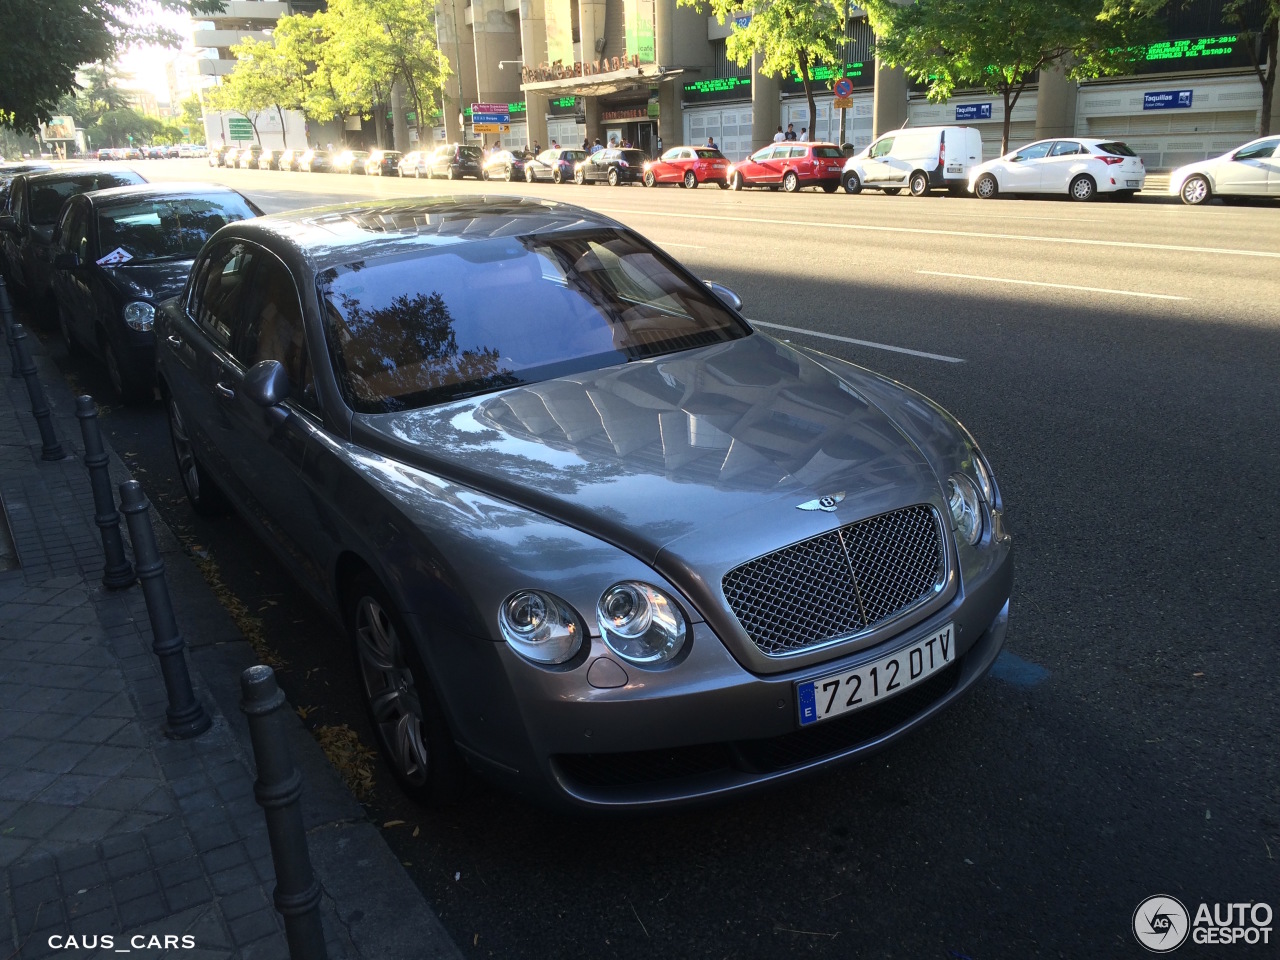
[
  {"x": 59, "y": 128},
  {"x": 559, "y": 14},
  {"x": 638, "y": 17}
]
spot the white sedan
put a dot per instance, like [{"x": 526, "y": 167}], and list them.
[
  {"x": 1079, "y": 167},
  {"x": 1249, "y": 171}
]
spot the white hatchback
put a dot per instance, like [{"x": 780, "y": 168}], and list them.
[
  {"x": 1079, "y": 167},
  {"x": 1249, "y": 171}
]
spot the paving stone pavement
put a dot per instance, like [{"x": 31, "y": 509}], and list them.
[{"x": 113, "y": 836}]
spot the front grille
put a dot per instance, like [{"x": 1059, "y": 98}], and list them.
[
  {"x": 838, "y": 584},
  {"x": 763, "y": 756}
]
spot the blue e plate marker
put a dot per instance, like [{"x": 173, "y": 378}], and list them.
[{"x": 1011, "y": 668}]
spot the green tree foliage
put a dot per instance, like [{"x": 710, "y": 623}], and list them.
[
  {"x": 263, "y": 79},
  {"x": 999, "y": 45},
  {"x": 791, "y": 36},
  {"x": 44, "y": 42},
  {"x": 1263, "y": 39}
]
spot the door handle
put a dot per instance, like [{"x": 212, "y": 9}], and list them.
[
  {"x": 174, "y": 341},
  {"x": 224, "y": 391}
]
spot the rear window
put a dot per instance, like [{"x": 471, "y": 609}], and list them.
[
  {"x": 634, "y": 158},
  {"x": 47, "y": 197},
  {"x": 420, "y": 328},
  {"x": 167, "y": 229},
  {"x": 705, "y": 153},
  {"x": 1117, "y": 149},
  {"x": 827, "y": 152},
  {"x": 470, "y": 153}
]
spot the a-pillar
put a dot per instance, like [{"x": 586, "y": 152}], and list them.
[
  {"x": 889, "y": 101},
  {"x": 1055, "y": 104},
  {"x": 533, "y": 41},
  {"x": 766, "y": 106},
  {"x": 670, "y": 112}
]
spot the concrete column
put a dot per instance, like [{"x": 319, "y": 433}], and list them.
[
  {"x": 766, "y": 106},
  {"x": 591, "y": 25},
  {"x": 497, "y": 38},
  {"x": 594, "y": 127},
  {"x": 533, "y": 41},
  {"x": 399, "y": 125},
  {"x": 458, "y": 45},
  {"x": 1275, "y": 114},
  {"x": 1055, "y": 104},
  {"x": 670, "y": 114},
  {"x": 889, "y": 103}
]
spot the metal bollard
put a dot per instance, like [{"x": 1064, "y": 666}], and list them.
[
  {"x": 118, "y": 571},
  {"x": 186, "y": 716},
  {"x": 51, "y": 448},
  {"x": 6, "y": 315},
  {"x": 278, "y": 791}
]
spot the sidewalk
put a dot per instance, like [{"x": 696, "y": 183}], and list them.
[{"x": 107, "y": 828}]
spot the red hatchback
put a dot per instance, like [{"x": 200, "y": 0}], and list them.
[
  {"x": 688, "y": 166},
  {"x": 790, "y": 165}
]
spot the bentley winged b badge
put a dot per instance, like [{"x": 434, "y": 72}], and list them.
[{"x": 827, "y": 503}]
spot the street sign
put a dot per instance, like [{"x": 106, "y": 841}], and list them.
[
  {"x": 491, "y": 127},
  {"x": 503, "y": 117},
  {"x": 843, "y": 89},
  {"x": 239, "y": 128},
  {"x": 489, "y": 108},
  {"x": 842, "y": 103},
  {"x": 1167, "y": 100},
  {"x": 973, "y": 111}
]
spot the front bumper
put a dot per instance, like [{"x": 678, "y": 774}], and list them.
[{"x": 704, "y": 728}]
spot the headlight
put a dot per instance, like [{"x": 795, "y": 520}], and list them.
[
  {"x": 138, "y": 315},
  {"x": 640, "y": 623},
  {"x": 966, "y": 508},
  {"x": 985, "y": 482},
  {"x": 540, "y": 627}
]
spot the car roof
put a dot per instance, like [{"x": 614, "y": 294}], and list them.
[
  {"x": 155, "y": 191},
  {"x": 333, "y": 235}
]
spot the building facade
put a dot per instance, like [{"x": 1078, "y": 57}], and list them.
[{"x": 649, "y": 72}]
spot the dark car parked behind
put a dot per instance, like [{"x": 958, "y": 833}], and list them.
[
  {"x": 504, "y": 165},
  {"x": 612, "y": 167},
  {"x": 454, "y": 161},
  {"x": 119, "y": 253},
  {"x": 556, "y": 164},
  {"x": 26, "y": 231}
]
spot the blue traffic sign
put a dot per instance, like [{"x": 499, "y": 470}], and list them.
[
  {"x": 1166, "y": 100},
  {"x": 973, "y": 111},
  {"x": 843, "y": 87},
  {"x": 491, "y": 118}
]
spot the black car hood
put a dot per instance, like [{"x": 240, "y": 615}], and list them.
[
  {"x": 157, "y": 280},
  {"x": 653, "y": 451}
]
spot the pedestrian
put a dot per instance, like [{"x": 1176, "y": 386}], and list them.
[
  {"x": 804, "y": 134},
  {"x": 537, "y": 148},
  {"x": 586, "y": 144},
  {"x": 711, "y": 144},
  {"x": 596, "y": 148},
  {"x": 791, "y": 132},
  {"x": 554, "y": 144},
  {"x": 779, "y": 136}
]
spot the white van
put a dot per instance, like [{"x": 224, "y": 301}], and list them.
[{"x": 918, "y": 159}]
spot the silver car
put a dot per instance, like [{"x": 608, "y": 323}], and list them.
[
  {"x": 1252, "y": 170},
  {"x": 591, "y": 534}
]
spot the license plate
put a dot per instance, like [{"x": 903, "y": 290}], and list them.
[
  {"x": 840, "y": 693},
  {"x": 833, "y": 169},
  {"x": 955, "y": 169},
  {"x": 1132, "y": 183}
]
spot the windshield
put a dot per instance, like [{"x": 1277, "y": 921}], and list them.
[
  {"x": 173, "y": 229},
  {"x": 47, "y": 196},
  {"x": 431, "y": 326}
]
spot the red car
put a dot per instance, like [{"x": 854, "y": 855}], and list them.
[
  {"x": 790, "y": 165},
  {"x": 688, "y": 166}
]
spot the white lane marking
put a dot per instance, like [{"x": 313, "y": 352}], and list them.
[
  {"x": 868, "y": 228},
  {"x": 860, "y": 343},
  {"x": 1059, "y": 286},
  {"x": 691, "y": 246}
]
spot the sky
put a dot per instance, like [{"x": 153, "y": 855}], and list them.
[{"x": 146, "y": 65}]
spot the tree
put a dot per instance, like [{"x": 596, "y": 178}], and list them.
[
  {"x": 1000, "y": 44},
  {"x": 44, "y": 42},
  {"x": 791, "y": 36},
  {"x": 1265, "y": 40},
  {"x": 262, "y": 79}
]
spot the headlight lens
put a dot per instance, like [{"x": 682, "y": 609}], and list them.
[
  {"x": 640, "y": 623},
  {"x": 966, "y": 508},
  {"x": 139, "y": 316},
  {"x": 985, "y": 483},
  {"x": 540, "y": 626}
]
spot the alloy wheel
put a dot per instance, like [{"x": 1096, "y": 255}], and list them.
[
  {"x": 390, "y": 691},
  {"x": 1195, "y": 191}
]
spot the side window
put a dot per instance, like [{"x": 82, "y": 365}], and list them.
[
  {"x": 270, "y": 327},
  {"x": 798, "y": 152},
  {"x": 1065, "y": 148},
  {"x": 672, "y": 154},
  {"x": 74, "y": 230},
  {"x": 882, "y": 147},
  {"x": 1258, "y": 151},
  {"x": 1036, "y": 151},
  {"x": 761, "y": 155},
  {"x": 220, "y": 287}
]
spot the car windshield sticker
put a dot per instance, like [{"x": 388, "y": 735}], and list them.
[{"x": 117, "y": 256}]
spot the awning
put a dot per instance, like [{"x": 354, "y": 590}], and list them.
[{"x": 602, "y": 83}]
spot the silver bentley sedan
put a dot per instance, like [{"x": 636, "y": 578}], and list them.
[{"x": 591, "y": 535}]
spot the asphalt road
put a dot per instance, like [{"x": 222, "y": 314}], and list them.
[{"x": 1119, "y": 364}]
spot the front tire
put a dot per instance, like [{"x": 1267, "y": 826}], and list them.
[
  {"x": 918, "y": 184},
  {"x": 852, "y": 183},
  {"x": 580, "y": 178},
  {"x": 410, "y": 724},
  {"x": 1082, "y": 189},
  {"x": 129, "y": 387},
  {"x": 790, "y": 182},
  {"x": 649, "y": 179},
  {"x": 1196, "y": 191},
  {"x": 690, "y": 180},
  {"x": 450, "y": 175},
  {"x": 737, "y": 181},
  {"x": 986, "y": 187},
  {"x": 613, "y": 178},
  {"x": 557, "y": 176},
  {"x": 203, "y": 494},
  {"x": 528, "y": 175},
  {"x": 64, "y": 328}
]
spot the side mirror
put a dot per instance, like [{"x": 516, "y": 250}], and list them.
[
  {"x": 9, "y": 225},
  {"x": 725, "y": 294},
  {"x": 66, "y": 261},
  {"x": 266, "y": 383}
]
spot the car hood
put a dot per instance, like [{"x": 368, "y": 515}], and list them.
[
  {"x": 154, "y": 281},
  {"x": 722, "y": 442}
]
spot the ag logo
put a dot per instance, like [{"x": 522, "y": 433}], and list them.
[
  {"x": 827, "y": 503},
  {"x": 1161, "y": 924}
]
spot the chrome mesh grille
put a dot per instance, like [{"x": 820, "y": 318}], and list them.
[{"x": 840, "y": 583}]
